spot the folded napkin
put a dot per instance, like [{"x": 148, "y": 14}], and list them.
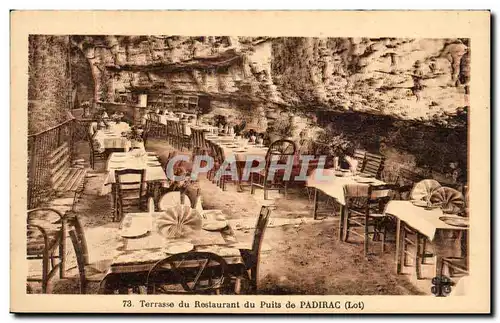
[{"x": 353, "y": 163}]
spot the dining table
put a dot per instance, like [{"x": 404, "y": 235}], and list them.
[
  {"x": 331, "y": 182},
  {"x": 154, "y": 173},
  {"x": 425, "y": 221},
  {"x": 133, "y": 257},
  {"x": 112, "y": 137},
  {"x": 240, "y": 151}
]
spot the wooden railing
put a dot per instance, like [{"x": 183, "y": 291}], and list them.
[{"x": 40, "y": 145}]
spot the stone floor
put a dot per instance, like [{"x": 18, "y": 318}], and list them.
[{"x": 300, "y": 255}]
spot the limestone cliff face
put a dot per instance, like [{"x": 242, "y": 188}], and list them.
[
  {"x": 49, "y": 82},
  {"x": 406, "y": 98},
  {"x": 409, "y": 79},
  {"x": 419, "y": 79}
]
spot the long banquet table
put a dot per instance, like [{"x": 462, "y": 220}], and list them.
[
  {"x": 112, "y": 137},
  {"x": 133, "y": 258},
  {"x": 154, "y": 171},
  {"x": 243, "y": 154}
]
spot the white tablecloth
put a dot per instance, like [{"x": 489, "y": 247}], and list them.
[
  {"x": 208, "y": 128},
  {"x": 425, "y": 221},
  {"x": 112, "y": 137},
  {"x": 242, "y": 152},
  {"x": 153, "y": 173},
  {"x": 326, "y": 181},
  {"x": 164, "y": 119}
]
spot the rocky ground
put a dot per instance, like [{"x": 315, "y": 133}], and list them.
[{"x": 301, "y": 255}]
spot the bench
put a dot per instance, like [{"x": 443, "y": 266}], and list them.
[{"x": 63, "y": 176}]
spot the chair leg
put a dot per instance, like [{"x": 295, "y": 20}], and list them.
[
  {"x": 45, "y": 271},
  {"x": 266, "y": 192},
  {"x": 404, "y": 245},
  {"x": 384, "y": 233},
  {"x": 346, "y": 225},
  {"x": 286, "y": 190},
  {"x": 417, "y": 256},
  {"x": 237, "y": 286},
  {"x": 367, "y": 238},
  {"x": 424, "y": 248}
]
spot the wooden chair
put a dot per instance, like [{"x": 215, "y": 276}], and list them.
[
  {"x": 87, "y": 272},
  {"x": 95, "y": 151},
  {"x": 195, "y": 142},
  {"x": 457, "y": 266},
  {"x": 374, "y": 164},
  {"x": 184, "y": 140},
  {"x": 195, "y": 272},
  {"x": 156, "y": 128},
  {"x": 198, "y": 142},
  {"x": 251, "y": 257},
  {"x": 129, "y": 192},
  {"x": 223, "y": 176},
  {"x": 280, "y": 150},
  {"x": 145, "y": 133},
  {"x": 361, "y": 211},
  {"x": 360, "y": 156},
  {"x": 213, "y": 152},
  {"x": 46, "y": 234},
  {"x": 171, "y": 132}
]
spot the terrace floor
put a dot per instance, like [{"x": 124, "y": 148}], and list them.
[{"x": 300, "y": 255}]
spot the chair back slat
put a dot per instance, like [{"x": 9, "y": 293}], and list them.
[
  {"x": 374, "y": 164},
  {"x": 360, "y": 156},
  {"x": 260, "y": 228}
]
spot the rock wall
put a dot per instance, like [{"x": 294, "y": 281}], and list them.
[
  {"x": 49, "y": 82},
  {"x": 381, "y": 91},
  {"x": 410, "y": 79}
]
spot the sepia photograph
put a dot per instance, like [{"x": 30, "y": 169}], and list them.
[{"x": 170, "y": 163}]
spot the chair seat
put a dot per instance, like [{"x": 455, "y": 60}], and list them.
[{"x": 94, "y": 272}]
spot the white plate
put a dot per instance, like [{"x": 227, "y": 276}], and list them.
[
  {"x": 211, "y": 215},
  {"x": 133, "y": 232},
  {"x": 419, "y": 203},
  {"x": 214, "y": 225},
  {"x": 179, "y": 247},
  {"x": 364, "y": 180}
]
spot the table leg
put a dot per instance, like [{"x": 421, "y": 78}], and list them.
[
  {"x": 114, "y": 202},
  {"x": 239, "y": 168},
  {"x": 398, "y": 246},
  {"x": 341, "y": 221},
  {"x": 62, "y": 252},
  {"x": 315, "y": 207},
  {"x": 439, "y": 266}
]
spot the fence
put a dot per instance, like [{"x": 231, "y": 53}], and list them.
[{"x": 40, "y": 146}]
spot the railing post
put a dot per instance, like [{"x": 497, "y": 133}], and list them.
[{"x": 31, "y": 173}]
